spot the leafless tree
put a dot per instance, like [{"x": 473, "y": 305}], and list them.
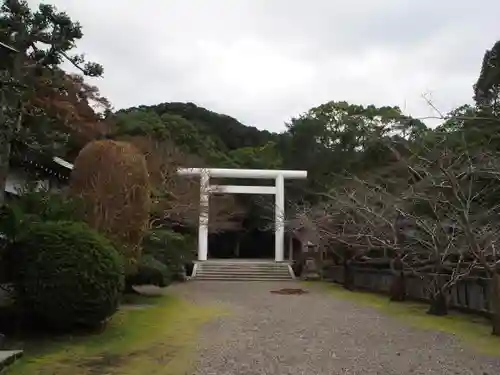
[
  {"x": 454, "y": 216},
  {"x": 176, "y": 199}
]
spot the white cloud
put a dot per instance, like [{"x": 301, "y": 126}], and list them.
[{"x": 264, "y": 61}]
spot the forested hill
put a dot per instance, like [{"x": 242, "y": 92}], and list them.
[
  {"x": 225, "y": 131},
  {"x": 328, "y": 140},
  {"x": 220, "y": 140},
  {"x": 230, "y": 131}
]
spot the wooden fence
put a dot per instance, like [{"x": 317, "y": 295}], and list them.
[{"x": 470, "y": 294}]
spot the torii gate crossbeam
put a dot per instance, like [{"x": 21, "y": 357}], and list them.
[{"x": 278, "y": 190}]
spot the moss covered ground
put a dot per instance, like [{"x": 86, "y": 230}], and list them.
[
  {"x": 474, "y": 331},
  {"x": 154, "y": 336}
]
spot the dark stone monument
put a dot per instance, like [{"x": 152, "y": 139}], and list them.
[{"x": 311, "y": 269}]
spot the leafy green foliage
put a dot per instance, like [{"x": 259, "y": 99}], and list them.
[
  {"x": 12, "y": 222},
  {"x": 151, "y": 272},
  {"x": 32, "y": 206},
  {"x": 260, "y": 157},
  {"x": 172, "y": 249},
  {"x": 67, "y": 274},
  {"x": 145, "y": 121},
  {"x": 27, "y": 30},
  {"x": 165, "y": 253},
  {"x": 338, "y": 138},
  {"x": 487, "y": 87},
  {"x": 226, "y": 131},
  {"x": 44, "y": 205},
  {"x": 35, "y": 92}
]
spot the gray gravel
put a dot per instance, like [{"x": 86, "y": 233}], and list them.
[{"x": 317, "y": 334}]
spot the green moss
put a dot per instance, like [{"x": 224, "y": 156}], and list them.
[
  {"x": 472, "y": 330},
  {"x": 159, "y": 339}
]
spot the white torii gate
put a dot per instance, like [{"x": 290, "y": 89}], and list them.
[{"x": 278, "y": 190}]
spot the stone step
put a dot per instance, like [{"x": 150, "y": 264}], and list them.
[
  {"x": 265, "y": 266},
  {"x": 240, "y": 267},
  {"x": 242, "y": 274},
  {"x": 272, "y": 268},
  {"x": 261, "y": 264},
  {"x": 242, "y": 278},
  {"x": 241, "y": 271},
  {"x": 237, "y": 272},
  {"x": 256, "y": 269}
]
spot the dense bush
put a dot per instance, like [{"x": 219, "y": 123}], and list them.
[
  {"x": 48, "y": 205},
  {"x": 29, "y": 207},
  {"x": 34, "y": 206},
  {"x": 151, "y": 272},
  {"x": 170, "y": 248},
  {"x": 67, "y": 274}
]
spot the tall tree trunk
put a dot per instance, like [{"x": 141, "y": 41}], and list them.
[
  {"x": 439, "y": 304},
  {"x": 398, "y": 285},
  {"x": 348, "y": 275},
  {"x": 495, "y": 303}
]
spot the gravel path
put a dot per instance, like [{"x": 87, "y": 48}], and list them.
[{"x": 314, "y": 334}]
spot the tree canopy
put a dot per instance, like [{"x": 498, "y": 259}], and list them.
[{"x": 42, "y": 106}]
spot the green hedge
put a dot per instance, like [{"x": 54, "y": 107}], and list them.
[
  {"x": 170, "y": 248},
  {"x": 151, "y": 272},
  {"x": 67, "y": 274}
]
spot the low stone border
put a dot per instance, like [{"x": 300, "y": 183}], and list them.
[{"x": 8, "y": 357}]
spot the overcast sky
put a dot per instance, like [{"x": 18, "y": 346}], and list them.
[{"x": 264, "y": 61}]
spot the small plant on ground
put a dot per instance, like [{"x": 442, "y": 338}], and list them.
[
  {"x": 172, "y": 249},
  {"x": 151, "y": 272}
]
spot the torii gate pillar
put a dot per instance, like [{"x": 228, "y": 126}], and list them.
[{"x": 278, "y": 190}]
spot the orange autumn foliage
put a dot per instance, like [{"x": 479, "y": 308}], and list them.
[{"x": 112, "y": 180}]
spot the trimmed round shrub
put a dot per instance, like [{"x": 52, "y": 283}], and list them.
[
  {"x": 151, "y": 272},
  {"x": 68, "y": 275}
]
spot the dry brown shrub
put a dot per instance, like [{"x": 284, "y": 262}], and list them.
[{"x": 112, "y": 179}]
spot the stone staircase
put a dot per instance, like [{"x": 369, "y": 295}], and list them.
[{"x": 242, "y": 270}]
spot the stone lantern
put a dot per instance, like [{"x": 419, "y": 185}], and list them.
[{"x": 312, "y": 255}]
